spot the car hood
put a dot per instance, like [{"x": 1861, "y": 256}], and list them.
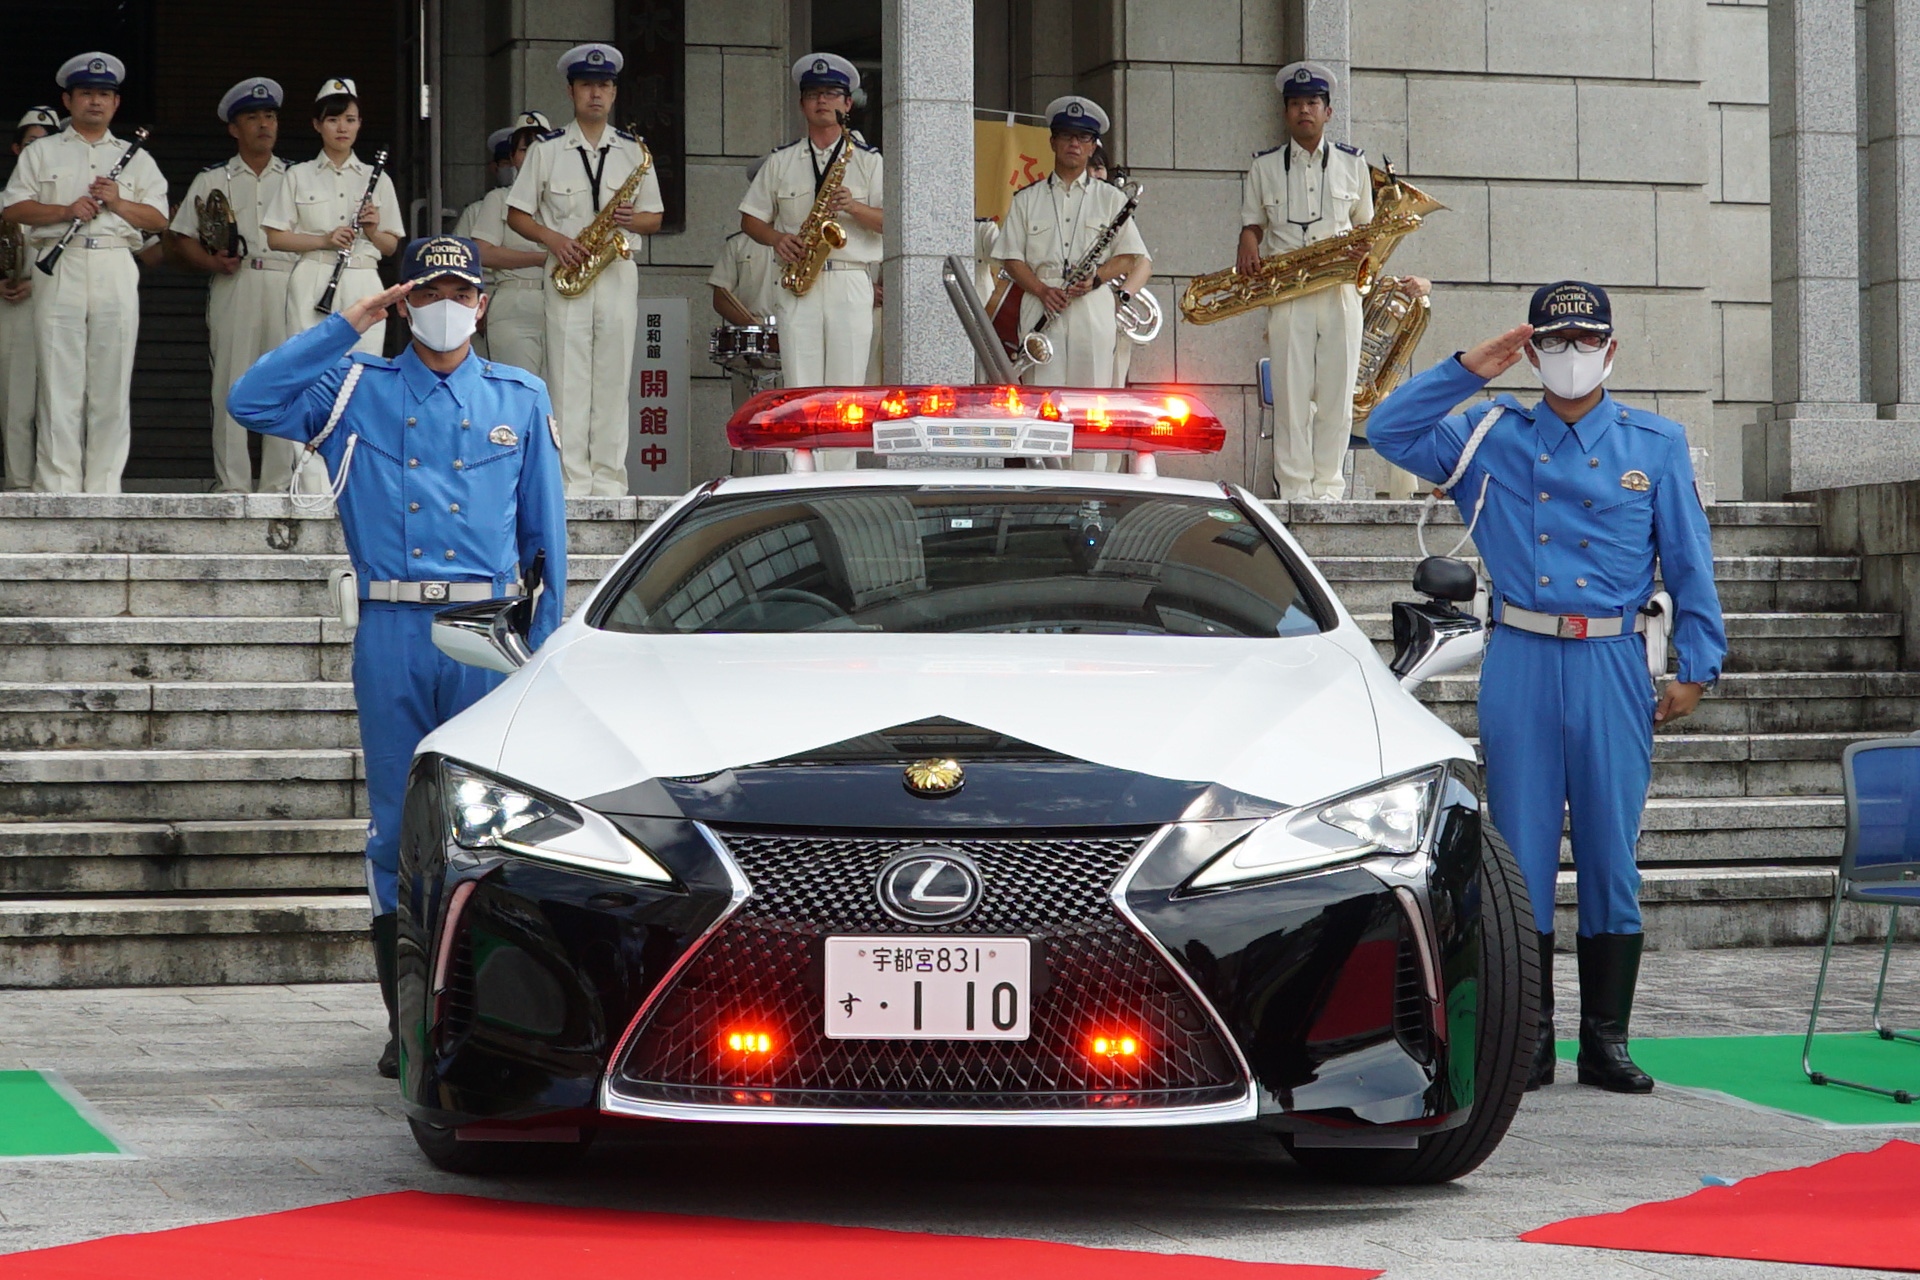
[{"x": 1286, "y": 720}]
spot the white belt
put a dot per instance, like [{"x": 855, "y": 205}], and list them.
[
  {"x": 269, "y": 264},
  {"x": 1567, "y": 626},
  {"x": 98, "y": 242},
  {"x": 520, "y": 282},
  {"x": 434, "y": 592},
  {"x": 837, "y": 264}
]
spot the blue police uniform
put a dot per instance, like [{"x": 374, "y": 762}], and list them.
[{"x": 1575, "y": 517}]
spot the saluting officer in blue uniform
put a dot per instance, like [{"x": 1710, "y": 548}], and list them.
[
  {"x": 447, "y": 471},
  {"x": 1582, "y": 495}
]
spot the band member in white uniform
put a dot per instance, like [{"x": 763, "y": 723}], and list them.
[
  {"x": 516, "y": 266},
  {"x": 1295, "y": 194},
  {"x": 826, "y": 337},
  {"x": 319, "y": 212},
  {"x": 19, "y": 364},
  {"x": 87, "y": 315},
  {"x": 1136, "y": 279},
  {"x": 567, "y": 176},
  {"x": 247, "y": 291},
  {"x": 1049, "y": 227}
]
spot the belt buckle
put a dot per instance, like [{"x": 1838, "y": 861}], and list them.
[
  {"x": 1573, "y": 626},
  {"x": 435, "y": 592}
]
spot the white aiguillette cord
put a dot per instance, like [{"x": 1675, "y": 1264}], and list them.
[
  {"x": 1459, "y": 470},
  {"x": 331, "y": 495}
]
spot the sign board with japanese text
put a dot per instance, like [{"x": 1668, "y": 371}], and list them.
[
  {"x": 1006, "y": 157},
  {"x": 659, "y": 405}
]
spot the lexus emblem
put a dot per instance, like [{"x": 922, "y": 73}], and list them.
[{"x": 929, "y": 885}]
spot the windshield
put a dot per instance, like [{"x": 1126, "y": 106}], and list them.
[{"x": 944, "y": 559}]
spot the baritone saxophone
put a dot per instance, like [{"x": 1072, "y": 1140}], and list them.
[
  {"x": 604, "y": 239},
  {"x": 820, "y": 234}
]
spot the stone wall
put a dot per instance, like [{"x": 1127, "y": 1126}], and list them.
[{"x": 1880, "y": 523}]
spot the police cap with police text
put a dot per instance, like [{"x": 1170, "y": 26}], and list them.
[
  {"x": 591, "y": 62},
  {"x": 1570, "y": 304},
  {"x": 91, "y": 71},
  {"x": 46, "y": 117},
  {"x": 431, "y": 257},
  {"x": 826, "y": 71},
  {"x": 1074, "y": 112},
  {"x": 1306, "y": 80},
  {"x": 254, "y": 94}
]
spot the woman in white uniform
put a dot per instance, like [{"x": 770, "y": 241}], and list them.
[{"x": 319, "y": 212}]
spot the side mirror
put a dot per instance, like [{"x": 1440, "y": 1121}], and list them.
[
  {"x": 1444, "y": 578},
  {"x": 1432, "y": 638},
  {"x": 491, "y": 634}
]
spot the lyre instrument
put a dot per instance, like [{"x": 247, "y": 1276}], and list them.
[
  {"x": 14, "y": 258},
  {"x": 604, "y": 239},
  {"x": 219, "y": 229},
  {"x": 821, "y": 234}
]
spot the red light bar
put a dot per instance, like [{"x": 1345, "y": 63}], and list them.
[{"x": 1136, "y": 421}]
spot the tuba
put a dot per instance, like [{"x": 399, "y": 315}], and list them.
[
  {"x": 1398, "y": 208},
  {"x": 1392, "y": 323},
  {"x": 219, "y": 229},
  {"x": 820, "y": 233},
  {"x": 603, "y": 238}
]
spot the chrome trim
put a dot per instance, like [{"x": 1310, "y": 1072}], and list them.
[
  {"x": 1411, "y": 903},
  {"x": 443, "y": 948},
  {"x": 1244, "y": 1108}
]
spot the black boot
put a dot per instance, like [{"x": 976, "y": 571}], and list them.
[
  {"x": 1543, "y": 1051},
  {"x": 385, "y": 931},
  {"x": 1609, "y": 968}
]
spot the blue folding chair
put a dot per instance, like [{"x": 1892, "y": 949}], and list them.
[
  {"x": 1263, "y": 377},
  {"x": 1879, "y": 866}
]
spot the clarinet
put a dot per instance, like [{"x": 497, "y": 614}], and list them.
[
  {"x": 325, "y": 305},
  {"x": 1090, "y": 261},
  {"x": 47, "y": 263}
]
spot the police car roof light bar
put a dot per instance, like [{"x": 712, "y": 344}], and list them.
[{"x": 978, "y": 421}]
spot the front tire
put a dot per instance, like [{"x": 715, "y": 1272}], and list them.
[
  {"x": 1503, "y": 1055},
  {"x": 446, "y": 1152}
]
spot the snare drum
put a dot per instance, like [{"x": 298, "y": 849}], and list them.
[{"x": 745, "y": 348}]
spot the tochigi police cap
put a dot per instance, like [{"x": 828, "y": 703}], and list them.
[
  {"x": 500, "y": 143},
  {"x": 826, "y": 71},
  {"x": 1570, "y": 304},
  {"x": 591, "y": 62},
  {"x": 256, "y": 94},
  {"x": 1076, "y": 113},
  {"x": 1306, "y": 80},
  {"x": 431, "y": 257},
  {"x": 46, "y": 117},
  {"x": 91, "y": 71}
]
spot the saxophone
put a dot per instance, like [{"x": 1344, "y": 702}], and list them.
[
  {"x": 820, "y": 233},
  {"x": 1398, "y": 208},
  {"x": 603, "y": 238}
]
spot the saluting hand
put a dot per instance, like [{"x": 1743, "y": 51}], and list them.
[
  {"x": 373, "y": 308},
  {"x": 1497, "y": 355}
]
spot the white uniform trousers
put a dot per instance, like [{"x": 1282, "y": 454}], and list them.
[
  {"x": 826, "y": 340},
  {"x": 246, "y": 318},
  {"x": 305, "y": 283},
  {"x": 87, "y": 322},
  {"x": 589, "y": 359},
  {"x": 1315, "y": 345},
  {"x": 1083, "y": 337},
  {"x": 19, "y": 387},
  {"x": 517, "y": 324}
]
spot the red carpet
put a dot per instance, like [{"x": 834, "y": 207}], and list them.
[
  {"x": 414, "y": 1235},
  {"x": 1860, "y": 1210}
]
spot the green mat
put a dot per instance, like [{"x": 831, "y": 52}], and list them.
[
  {"x": 41, "y": 1118},
  {"x": 1764, "y": 1071}
]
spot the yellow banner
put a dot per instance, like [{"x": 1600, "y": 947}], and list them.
[{"x": 1006, "y": 157}]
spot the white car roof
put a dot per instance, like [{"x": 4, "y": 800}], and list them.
[{"x": 971, "y": 477}]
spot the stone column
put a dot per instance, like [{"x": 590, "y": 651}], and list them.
[
  {"x": 928, "y": 92},
  {"x": 1821, "y": 432},
  {"x": 1892, "y": 97}
]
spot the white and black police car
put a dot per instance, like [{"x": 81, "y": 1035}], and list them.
[{"x": 1012, "y": 795}]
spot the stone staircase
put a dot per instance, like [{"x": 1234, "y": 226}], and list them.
[{"x": 180, "y": 785}]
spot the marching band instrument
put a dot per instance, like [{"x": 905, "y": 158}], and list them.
[
  {"x": 745, "y": 348},
  {"x": 604, "y": 239},
  {"x": 1139, "y": 316},
  {"x": 820, "y": 233},
  {"x": 219, "y": 229},
  {"x": 1036, "y": 347},
  {"x": 1392, "y": 323},
  {"x": 139, "y": 140},
  {"x": 14, "y": 259},
  {"x": 325, "y": 305},
  {"x": 1398, "y": 207}
]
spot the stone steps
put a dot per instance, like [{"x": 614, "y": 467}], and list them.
[
  {"x": 178, "y": 715},
  {"x": 1748, "y": 584},
  {"x": 179, "y": 786},
  {"x": 1875, "y": 703},
  {"x": 1768, "y": 642},
  {"x": 92, "y": 858},
  {"x": 1387, "y": 528}
]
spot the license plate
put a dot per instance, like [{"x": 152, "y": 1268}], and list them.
[{"x": 912, "y": 988}]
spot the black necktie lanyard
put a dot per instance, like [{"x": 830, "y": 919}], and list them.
[
  {"x": 1286, "y": 166},
  {"x": 593, "y": 174},
  {"x": 833, "y": 158},
  {"x": 1068, "y": 230}
]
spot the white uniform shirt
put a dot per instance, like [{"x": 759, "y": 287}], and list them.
[
  {"x": 556, "y": 185},
  {"x": 59, "y": 168},
  {"x": 486, "y": 219},
  {"x": 1051, "y": 224},
  {"x": 247, "y": 192},
  {"x": 986, "y": 236},
  {"x": 317, "y": 196},
  {"x": 1297, "y": 197},
  {"x": 782, "y": 193},
  {"x": 750, "y": 270}
]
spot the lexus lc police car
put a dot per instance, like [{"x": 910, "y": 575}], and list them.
[{"x": 1011, "y": 795}]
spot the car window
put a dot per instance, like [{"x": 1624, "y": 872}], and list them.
[{"x": 948, "y": 560}]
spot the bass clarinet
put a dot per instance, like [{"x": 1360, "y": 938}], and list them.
[
  {"x": 1036, "y": 347},
  {"x": 47, "y": 263},
  {"x": 325, "y": 305}
]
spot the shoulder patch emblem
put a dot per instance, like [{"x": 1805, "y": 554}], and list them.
[
  {"x": 1269, "y": 151},
  {"x": 550, "y": 135},
  {"x": 503, "y": 434},
  {"x": 553, "y": 429},
  {"x": 1352, "y": 151},
  {"x": 1636, "y": 481}
]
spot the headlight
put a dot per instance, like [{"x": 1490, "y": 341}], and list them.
[
  {"x": 1391, "y": 817},
  {"x": 491, "y": 813}
]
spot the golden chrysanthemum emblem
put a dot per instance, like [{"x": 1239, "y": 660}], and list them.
[{"x": 940, "y": 777}]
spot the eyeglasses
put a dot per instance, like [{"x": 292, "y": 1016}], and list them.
[{"x": 1553, "y": 344}]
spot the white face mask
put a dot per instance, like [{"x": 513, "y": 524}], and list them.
[
  {"x": 445, "y": 325},
  {"x": 505, "y": 174},
  {"x": 1573, "y": 374}
]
